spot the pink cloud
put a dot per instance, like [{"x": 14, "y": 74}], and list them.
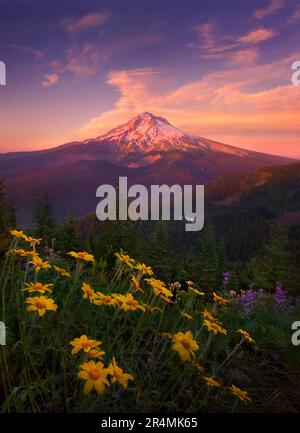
[
  {"x": 50, "y": 79},
  {"x": 235, "y": 48},
  {"x": 257, "y": 36},
  {"x": 93, "y": 19},
  {"x": 272, "y": 7},
  {"x": 207, "y": 33},
  {"x": 245, "y": 56}
]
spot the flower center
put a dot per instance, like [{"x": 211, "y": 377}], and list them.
[
  {"x": 94, "y": 374},
  {"x": 41, "y": 304},
  {"x": 118, "y": 373},
  {"x": 131, "y": 303},
  {"x": 86, "y": 344},
  {"x": 186, "y": 344}
]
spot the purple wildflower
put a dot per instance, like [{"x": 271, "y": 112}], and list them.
[
  {"x": 247, "y": 299},
  {"x": 226, "y": 277},
  {"x": 280, "y": 295}
]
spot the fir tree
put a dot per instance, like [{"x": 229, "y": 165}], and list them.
[
  {"x": 204, "y": 264},
  {"x": 159, "y": 254},
  {"x": 44, "y": 223},
  {"x": 68, "y": 237},
  {"x": 276, "y": 264}
]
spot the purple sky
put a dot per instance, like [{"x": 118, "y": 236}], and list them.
[{"x": 217, "y": 68}]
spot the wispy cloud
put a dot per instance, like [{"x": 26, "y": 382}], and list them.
[
  {"x": 83, "y": 60},
  {"x": 88, "y": 21},
  {"x": 257, "y": 36},
  {"x": 38, "y": 54},
  {"x": 214, "y": 46},
  {"x": 272, "y": 7}
]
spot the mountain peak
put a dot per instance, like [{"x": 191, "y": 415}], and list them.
[
  {"x": 146, "y": 132},
  {"x": 149, "y": 117}
]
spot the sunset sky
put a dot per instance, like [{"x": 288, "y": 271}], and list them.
[{"x": 217, "y": 68}]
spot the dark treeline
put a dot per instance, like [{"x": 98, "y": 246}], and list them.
[{"x": 255, "y": 250}]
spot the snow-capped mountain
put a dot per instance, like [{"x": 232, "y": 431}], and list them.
[
  {"x": 147, "y": 149},
  {"x": 143, "y": 140},
  {"x": 147, "y": 138},
  {"x": 146, "y": 133}
]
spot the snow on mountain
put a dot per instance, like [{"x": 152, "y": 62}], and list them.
[{"x": 147, "y": 133}]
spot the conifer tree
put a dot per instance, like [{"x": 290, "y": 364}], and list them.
[
  {"x": 276, "y": 264},
  {"x": 69, "y": 239},
  {"x": 44, "y": 223},
  {"x": 204, "y": 265},
  {"x": 159, "y": 253}
]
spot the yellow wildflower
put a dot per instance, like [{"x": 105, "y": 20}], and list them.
[
  {"x": 192, "y": 289},
  {"x": 246, "y": 335},
  {"x": 128, "y": 303},
  {"x": 41, "y": 304},
  {"x": 219, "y": 299},
  {"x": 214, "y": 327},
  {"x": 23, "y": 253},
  {"x": 102, "y": 299},
  {"x": 185, "y": 345},
  {"x": 136, "y": 284},
  {"x": 146, "y": 270},
  {"x": 242, "y": 395},
  {"x": 38, "y": 287},
  {"x": 210, "y": 381},
  {"x": 84, "y": 343},
  {"x": 95, "y": 353},
  {"x": 207, "y": 315},
  {"x": 87, "y": 257},
  {"x": 62, "y": 271},
  {"x": 89, "y": 293},
  {"x": 126, "y": 259},
  {"x": 32, "y": 241},
  {"x": 95, "y": 376},
  {"x": 39, "y": 264},
  {"x": 17, "y": 233},
  {"x": 117, "y": 374},
  {"x": 159, "y": 288}
]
